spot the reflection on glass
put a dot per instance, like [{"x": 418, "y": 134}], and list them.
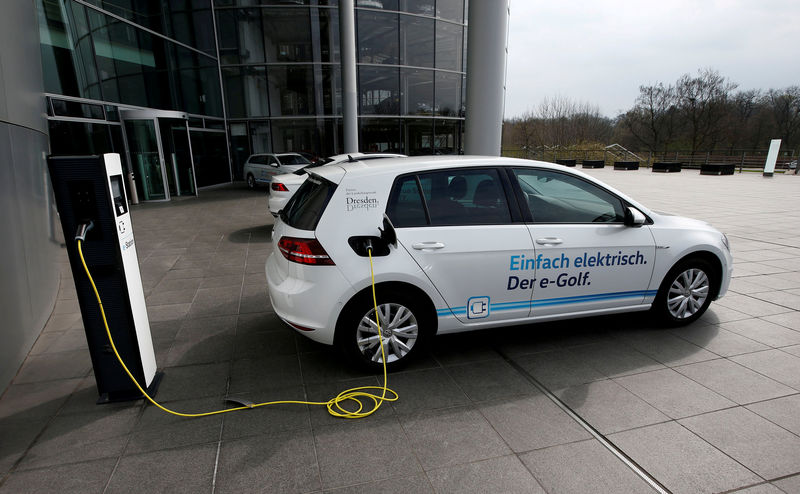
[
  {"x": 446, "y": 137},
  {"x": 448, "y": 94},
  {"x": 291, "y": 90},
  {"x": 331, "y": 89},
  {"x": 377, "y": 37},
  {"x": 291, "y": 136},
  {"x": 377, "y": 4},
  {"x": 417, "y": 91},
  {"x": 287, "y": 35},
  {"x": 246, "y": 91},
  {"x": 448, "y": 45},
  {"x": 423, "y": 7},
  {"x": 419, "y": 137},
  {"x": 452, "y": 10},
  {"x": 209, "y": 150},
  {"x": 80, "y": 139},
  {"x": 380, "y": 134},
  {"x": 240, "y": 36},
  {"x": 325, "y": 29},
  {"x": 379, "y": 90},
  {"x": 416, "y": 41},
  {"x": 260, "y": 141},
  {"x": 240, "y": 147}
]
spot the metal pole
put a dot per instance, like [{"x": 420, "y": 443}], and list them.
[{"x": 347, "y": 39}]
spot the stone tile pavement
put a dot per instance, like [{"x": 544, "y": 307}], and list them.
[{"x": 713, "y": 407}]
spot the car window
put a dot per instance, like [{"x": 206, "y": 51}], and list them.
[
  {"x": 554, "y": 197},
  {"x": 273, "y": 160},
  {"x": 406, "y": 207},
  {"x": 451, "y": 197},
  {"x": 258, "y": 160},
  {"x": 294, "y": 160},
  {"x": 305, "y": 208}
]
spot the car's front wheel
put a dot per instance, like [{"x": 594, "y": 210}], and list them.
[
  {"x": 251, "y": 181},
  {"x": 403, "y": 328},
  {"x": 686, "y": 292}
]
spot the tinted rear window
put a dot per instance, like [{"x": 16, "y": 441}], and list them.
[
  {"x": 294, "y": 160},
  {"x": 305, "y": 208}
]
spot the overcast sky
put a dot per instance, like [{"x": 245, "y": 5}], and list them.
[{"x": 601, "y": 51}]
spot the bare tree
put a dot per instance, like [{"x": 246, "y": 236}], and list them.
[
  {"x": 652, "y": 120},
  {"x": 784, "y": 104},
  {"x": 702, "y": 103}
]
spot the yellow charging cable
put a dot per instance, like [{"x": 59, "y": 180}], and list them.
[{"x": 334, "y": 405}]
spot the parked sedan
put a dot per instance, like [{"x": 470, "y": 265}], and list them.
[
  {"x": 284, "y": 186},
  {"x": 465, "y": 243},
  {"x": 260, "y": 168}
]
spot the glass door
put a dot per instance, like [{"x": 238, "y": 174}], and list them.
[
  {"x": 146, "y": 159},
  {"x": 161, "y": 153}
]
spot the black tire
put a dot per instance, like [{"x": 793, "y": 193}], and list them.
[
  {"x": 686, "y": 292},
  {"x": 251, "y": 181},
  {"x": 405, "y": 326}
]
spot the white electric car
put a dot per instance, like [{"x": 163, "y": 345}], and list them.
[
  {"x": 261, "y": 167},
  {"x": 284, "y": 186},
  {"x": 463, "y": 243}
]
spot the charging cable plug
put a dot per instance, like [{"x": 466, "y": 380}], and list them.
[
  {"x": 83, "y": 229},
  {"x": 368, "y": 245}
]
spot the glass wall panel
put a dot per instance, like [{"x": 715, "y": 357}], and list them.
[
  {"x": 331, "y": 137},
  {"x": 331, "y": 89},
  {"x": 452, "y": 10},
  {"x": 378, "y": 38},
  {"x": 296, "y": 135},
  {"x": 379, "y": 91},
  {"x": 240, "y": 147},
  {"x": 197, "y": 82},
  {"x": 381, "y": 134},
  {"x": 416, "y": 41},
  {"x": 325, "y": 34},
  {"x": 417, "y": 91},
  {"x": 287, "y": 35},
  {"x": 291, "y": 90},
  {"x": 80, "y": 138},
  {"x": 260, "y": 141},
  {"x": 419, "y": 136},
  {"x": 448, "y": 94},
  {"x": 210, "y": 156},
  {"x": 446, "y": 134},
  {"x": 424, "y": 7},
  {"x": 246, "y": 91},
  {"x": 448, "y": 45},
  {"x": 377, "y": 4},
  {"x": 187, "y": 21},
  {"x": 241, "y": 39}
]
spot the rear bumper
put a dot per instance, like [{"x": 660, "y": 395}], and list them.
[{"x": 307, "y": 297}]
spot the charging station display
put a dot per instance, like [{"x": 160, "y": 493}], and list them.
[{"x": 91, "y": 200}]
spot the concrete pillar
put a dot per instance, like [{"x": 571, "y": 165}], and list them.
[
  {"x": 347, "y": 40},
  {"x": 486, "y": 75}
]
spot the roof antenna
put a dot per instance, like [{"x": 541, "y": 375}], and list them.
[{"x": 350, "y": 158}]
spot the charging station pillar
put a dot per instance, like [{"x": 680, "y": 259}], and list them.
[{"x": 92, "y": 189}]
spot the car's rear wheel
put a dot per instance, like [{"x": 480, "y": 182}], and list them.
[
  {"x": 403, "y": 326},
  {"x": 686, "y": 292},
  {"x": 251, "y": 181}
]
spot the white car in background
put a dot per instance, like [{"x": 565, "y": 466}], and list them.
[
  {"x": 284, "y": 186},
  {"x": 471, "y": 242},
  {"x": 261, "y": 167}
]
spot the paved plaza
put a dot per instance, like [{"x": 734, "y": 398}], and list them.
[{"x": 568, "y": 407}]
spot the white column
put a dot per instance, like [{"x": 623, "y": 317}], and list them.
[
  {"x": 347, "y": 40},
  {"x": 486, "y": 75}
]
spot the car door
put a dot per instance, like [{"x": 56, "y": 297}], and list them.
[
  {"x": 271, "y": 168},
  {"x": 586, "y": 257},
  {"x": 458, "y": 227}
]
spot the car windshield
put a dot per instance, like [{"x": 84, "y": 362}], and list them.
[
  {"x": 293, "y": 159},
  {"x": 305, "y": 208}
]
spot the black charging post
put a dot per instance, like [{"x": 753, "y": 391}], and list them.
[{"x": 92, "y": 204}]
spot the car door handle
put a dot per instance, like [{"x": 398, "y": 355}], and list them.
[
  {"x": 549, "y": 241},
  {"x": 428, "y": 245}
]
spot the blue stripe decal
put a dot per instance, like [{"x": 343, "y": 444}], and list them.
[{"x": 530, "y": 304}]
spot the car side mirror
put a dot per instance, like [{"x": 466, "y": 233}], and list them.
[{"x": 634, "y": 217}]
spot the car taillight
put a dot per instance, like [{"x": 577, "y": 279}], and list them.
[
  {"x": 279, "y": 187},
  {"x": 304, "y": 251}
]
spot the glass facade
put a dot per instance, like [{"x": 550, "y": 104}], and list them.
[{"x": 253, "y": 75}]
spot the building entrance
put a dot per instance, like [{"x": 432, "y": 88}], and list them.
[{"x": 160, "y": 153}]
